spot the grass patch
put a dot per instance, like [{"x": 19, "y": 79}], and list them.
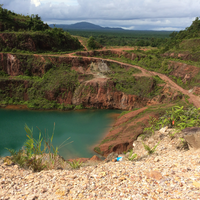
[
  {"x": 125, "y": 81},
  {"x": 97, "y": 149}
]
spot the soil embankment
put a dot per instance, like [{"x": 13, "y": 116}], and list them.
[{"x": 97, "y": 90}]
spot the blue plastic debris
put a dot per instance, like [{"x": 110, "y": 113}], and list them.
[{"x": 119, "y": 159}]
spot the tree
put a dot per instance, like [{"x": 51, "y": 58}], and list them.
[{"x": 92, "y": 44}]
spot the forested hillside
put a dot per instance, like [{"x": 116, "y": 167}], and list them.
[{"x": 19, "y": 33}]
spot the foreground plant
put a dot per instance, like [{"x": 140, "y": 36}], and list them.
[
  {"x": 31, "y": 155},
  {"x": 150, "y": 150},
  {"x": 75, "y": 164},
  {"x": 132, "y": 156},
  {"x": 184, "y": 144}
]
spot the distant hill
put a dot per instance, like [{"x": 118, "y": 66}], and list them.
[{"x": 83, "y": 26}]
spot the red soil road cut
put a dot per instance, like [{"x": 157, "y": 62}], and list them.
[
  {"x": 195, "y": 100},
  {"x": 192, "y": 98}
]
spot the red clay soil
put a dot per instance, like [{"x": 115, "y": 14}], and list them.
[
  {"x": 124, "y": 133},
  {"x": 192, "y": 98},
  {"x": 128, "y": 116},
  {"x": 122, "y": 137},
  {"x": 127, "y": 128}
]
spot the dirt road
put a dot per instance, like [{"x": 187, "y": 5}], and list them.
[
  {"x": 192, "y": 98},
  {"x": 195, "y": 100}
]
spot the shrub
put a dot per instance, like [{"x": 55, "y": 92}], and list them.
[{"x": 177, "y": 117}]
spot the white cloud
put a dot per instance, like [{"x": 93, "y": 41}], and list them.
[
  {"x": 36, "y": 2},
  {"x": 67, "y": 2},
  {"x": 138, "y": 14}
]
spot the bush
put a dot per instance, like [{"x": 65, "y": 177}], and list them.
[
  {"x": 92, "y": 44},
  {"x": 177, "y": 117}
]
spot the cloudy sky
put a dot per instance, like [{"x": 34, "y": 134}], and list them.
[{"x": 128, "y": 14}]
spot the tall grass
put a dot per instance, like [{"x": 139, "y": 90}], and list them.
[{"x": 37, "y": 154}]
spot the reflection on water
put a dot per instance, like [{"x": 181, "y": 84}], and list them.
[{"x": 85, "y": 128}]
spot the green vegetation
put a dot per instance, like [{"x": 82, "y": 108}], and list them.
[
  {"x": 125, "y": 38},
  {"x": 176, "y": 117},
  {"x": 184, "y": 144},
  {"x": 49, "y": 40},
  {"x": 98, "y": 150},
  {"x": 39, "y": 87},
  {"x": 26, "y": 34},
  {"x": 92, "y": 44},
  {"x": 31, "y": 155},
  {"x": 132, "y": 156},
  {"x": 125, "y": 81},
  {"x": 17, "y": 22},
  {"x": 75, "y": 164},
  {"x": 177, "y": 37},
  {"x": 150, "y": 150}
]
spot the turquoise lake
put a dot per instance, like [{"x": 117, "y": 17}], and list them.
[{"x": 85, "y": 129}]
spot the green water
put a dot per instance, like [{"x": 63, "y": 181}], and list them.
[{"x": 86, "y": 128}]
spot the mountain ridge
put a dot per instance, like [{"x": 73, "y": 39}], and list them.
[{"x": 83, "y": 26}]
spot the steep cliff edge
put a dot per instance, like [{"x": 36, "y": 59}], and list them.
[{"x": 89, "y": 82}]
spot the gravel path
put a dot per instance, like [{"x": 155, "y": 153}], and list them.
[{"x": 170, "y": 175}]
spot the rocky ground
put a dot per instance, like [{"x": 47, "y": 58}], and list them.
[{"x": 171, "y": 172}]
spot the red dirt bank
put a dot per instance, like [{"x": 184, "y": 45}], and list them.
[{"x": 124, "y": 131}]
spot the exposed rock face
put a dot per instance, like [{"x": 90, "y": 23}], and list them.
[
  {"x": 192, "y": 137},
  {"x": 184, "y": 71},
  {"x": 184, "y": 56},
  {"x": 100, "y": 93},
  {"x": 15, "y": 65},
  {"x": 100, "y": 66}
]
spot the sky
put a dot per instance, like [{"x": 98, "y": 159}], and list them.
[{"x": 173, "y": 15}]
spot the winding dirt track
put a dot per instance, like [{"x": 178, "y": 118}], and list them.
[
  {"x": 195, "y": 100},
  {"x": 192, "y": 98}
]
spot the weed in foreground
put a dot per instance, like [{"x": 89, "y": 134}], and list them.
[
  {"x": 31, "y": 155},
  {"x": 132, "y": 156},
  {"x": 75, "y": 164},
  {"x": 184, "y": 144},
  {"x": 150, "y": 150}
]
